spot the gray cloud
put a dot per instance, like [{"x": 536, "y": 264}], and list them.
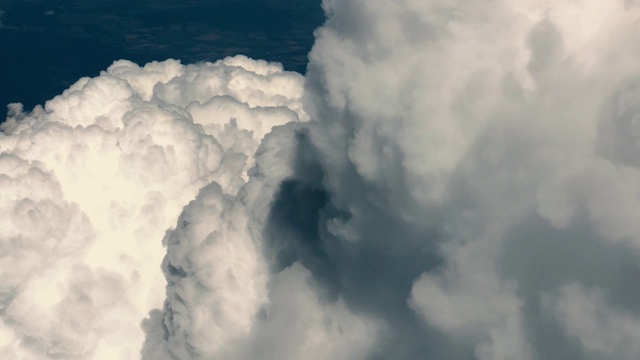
[{"x": 483, "y": 138}]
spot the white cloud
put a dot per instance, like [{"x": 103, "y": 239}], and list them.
[{"x": 95, "y": 177}]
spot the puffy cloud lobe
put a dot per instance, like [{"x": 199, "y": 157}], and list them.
[
  {"x": 215, "y": 276},
  {"x": 35, "y": 224},
  {"x": 95, "y": 177}
]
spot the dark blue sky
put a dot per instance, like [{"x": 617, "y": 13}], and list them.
[{"x": 49, "y": 44}]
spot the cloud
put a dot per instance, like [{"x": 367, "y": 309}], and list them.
[
  {"x": 603, "y": 331},
  {"x": 450, "y": 180},
  {"x": 94, "y": 178},
  {"x": 476, "y": 134}
]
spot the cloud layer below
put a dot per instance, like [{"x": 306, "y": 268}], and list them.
[{"x": 450, "y": 180}]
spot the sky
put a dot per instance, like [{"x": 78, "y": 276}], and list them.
[
  {"x": 71, "y": 39},
  {"x": 350, "y": 179}
]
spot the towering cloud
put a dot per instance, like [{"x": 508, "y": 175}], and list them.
[
  {"x": 451, "y": 180},
  {"x": 483, "y": 152},
  {"x": 92, "y": 180}
]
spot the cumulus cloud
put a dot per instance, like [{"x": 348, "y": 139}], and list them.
[
  {"x": 489, "y": 135},
  {"x": 450, "y": 180},
  {"x": 92, "y": 180}
]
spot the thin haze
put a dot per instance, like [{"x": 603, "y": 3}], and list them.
[{"x": 450, "y": 180}]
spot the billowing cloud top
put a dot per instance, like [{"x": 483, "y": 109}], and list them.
[
  {"x": 92, "y": 181},
  {"x": 451, "y": 180}
]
